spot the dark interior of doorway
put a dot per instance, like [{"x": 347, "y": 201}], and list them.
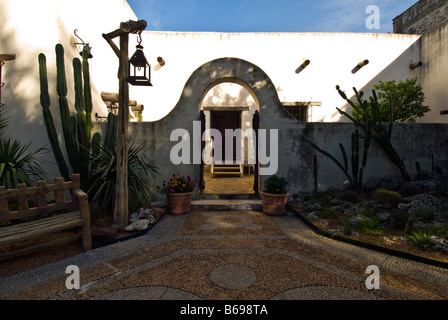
[{"x": 228, "y": 185}]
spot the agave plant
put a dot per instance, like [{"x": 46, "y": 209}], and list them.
[
  {"x": 103, "y": 175},
  {"x": 17, "y": 166}
]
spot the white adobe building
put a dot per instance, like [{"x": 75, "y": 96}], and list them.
[{"x": 332, "y": 58}]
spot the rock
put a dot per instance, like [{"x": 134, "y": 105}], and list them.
[
  {"x": 312, "y": 215},
  {"x": 423, "y": 200},
  {"x": 158, "y": 204},
  {"x": 336, "y": 202},
  {"x": 314, "y": 206},
  {"x": 351, "y": 211},
  {"x": 383, "y": 215},
  {"x": 138, "y": 225},
  {"x": 354, "y": 221},
  {"x": 143, "y": 213},
  {"x": 439, "y": 243}
]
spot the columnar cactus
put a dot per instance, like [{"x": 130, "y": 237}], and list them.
[
  {"x": 380, "y": 132},
  {"x": 76, "y": 129}
]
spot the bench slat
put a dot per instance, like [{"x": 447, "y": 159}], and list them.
[
  {"x": 20, "y": 252},
  {"x": 29, "y": 230},
  {"x": 36, "y": 211},
  {"x": 36, "y": 224}
]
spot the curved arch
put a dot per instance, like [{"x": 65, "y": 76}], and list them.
[{"x": 235, "y": 70}]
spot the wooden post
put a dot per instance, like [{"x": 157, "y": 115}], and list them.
[
  {"x": 121, "y": 193},
  {"x": 121, "y": 211}
]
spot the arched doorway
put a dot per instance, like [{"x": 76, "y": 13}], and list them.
[
  {"x": 229, "y": 108},
  {"x": 178, "y": 134}
]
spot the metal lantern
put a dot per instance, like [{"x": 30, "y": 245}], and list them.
[{"x": 139, "y": 68}]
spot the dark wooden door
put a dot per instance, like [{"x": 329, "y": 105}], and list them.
[{"x": 222, "y": 120}]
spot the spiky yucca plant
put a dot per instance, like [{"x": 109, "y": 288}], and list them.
[
  {"x": 17, "y": 166},
  {"x": 103, "y": 175}
]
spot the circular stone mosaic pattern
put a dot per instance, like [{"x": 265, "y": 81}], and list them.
[{"x": 233, "y": 276}]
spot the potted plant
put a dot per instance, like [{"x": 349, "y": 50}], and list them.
[
  {"x": 178, "y": 190},
  {"x": 275, "y": 195}
]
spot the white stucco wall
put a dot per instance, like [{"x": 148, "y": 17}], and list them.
[{"x": 332, "y": 56}]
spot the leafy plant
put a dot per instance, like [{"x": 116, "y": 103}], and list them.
[
  {"x": 371, "y": 226},
  {"x": 17, "y": 166},
  {"x": 103, "y": 175},
  {"x": 419, "y": 237},
  {"x": 177, "y": 184},
  {"x": 276, "y": 185}
]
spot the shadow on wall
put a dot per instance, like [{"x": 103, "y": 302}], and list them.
[{"x": 21, "y": 93}]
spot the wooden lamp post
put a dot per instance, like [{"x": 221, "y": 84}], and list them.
[{"x": 121, "y": 212}]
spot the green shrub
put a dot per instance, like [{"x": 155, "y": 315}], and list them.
[
  {"x": 371, "y": 226},
  {"x": 425, "y": 213},
  {"x": 326, "y": 213},
  {"x": 322, "y": 197},
  {"x": 384, "y": 196},
  {"x": 398, "y": 219},
  {"x": 276, "y": 185}
]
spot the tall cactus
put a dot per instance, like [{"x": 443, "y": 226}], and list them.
[
  {"x": 380, "y": 132},
  {"x": 357, "y": 167},
  {"x": 48, "y": 118},
  {"x": 76, "y": 129}
]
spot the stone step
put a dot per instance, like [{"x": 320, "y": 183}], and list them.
[{"x": 227, "y": 204}]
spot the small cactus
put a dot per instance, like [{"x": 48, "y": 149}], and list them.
[
  {"x": 350, "y": 195},
  {"x": 387, "y": 196},
  {"x": 409, "y": 190}
]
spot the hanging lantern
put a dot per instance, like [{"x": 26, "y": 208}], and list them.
[{"x": 139, "y": 68}]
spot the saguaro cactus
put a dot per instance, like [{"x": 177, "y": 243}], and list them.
[{"x": 76, "y": 129}]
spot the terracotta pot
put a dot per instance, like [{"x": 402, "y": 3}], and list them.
[
  {"x": 179, "y": 203},
  {"x": 274, "y": 204}
]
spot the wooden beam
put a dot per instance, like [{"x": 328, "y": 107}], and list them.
[
  {"x": 112, "y": 45},
  {"x": 114, "y": 97},
  {"x": 127, "y": 28},
  {"x": 7, "y": 57}
]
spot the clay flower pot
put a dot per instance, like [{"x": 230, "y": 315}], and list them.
[
  {"x": 179, "y": 203},
  {"x": 274, "y": 204}
]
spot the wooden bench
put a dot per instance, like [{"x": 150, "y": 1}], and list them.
[{"x": 45, "y": 218}]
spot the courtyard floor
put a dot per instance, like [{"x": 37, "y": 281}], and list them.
[{"x": 230, "y": 255}]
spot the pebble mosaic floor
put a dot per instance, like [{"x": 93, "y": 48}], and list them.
[{"x": 230, "y": 255}]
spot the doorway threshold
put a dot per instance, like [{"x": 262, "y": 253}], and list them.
[
  {"x": 227, "y": 204},
  {"x": 229, "y": 196}
]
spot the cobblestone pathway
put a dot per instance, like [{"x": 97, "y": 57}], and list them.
[{"x": 227, "y": 255}]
